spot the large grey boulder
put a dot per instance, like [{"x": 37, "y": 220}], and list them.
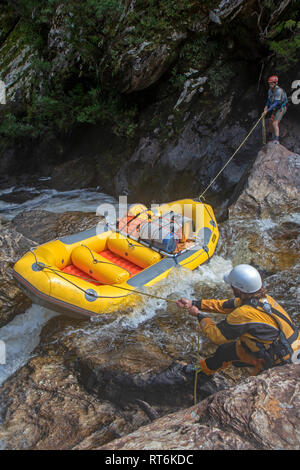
[{"x": 272, "y": 185}]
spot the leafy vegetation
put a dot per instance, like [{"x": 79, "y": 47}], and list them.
[
  {"x": 94, "y": 34},
  {"x": 61, "y": 101},
  {"x": 286, "y": 43},
  {"x": 280, "y": 31}
]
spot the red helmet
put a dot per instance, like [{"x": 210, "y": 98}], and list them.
[{"x": 273, "y": 79}]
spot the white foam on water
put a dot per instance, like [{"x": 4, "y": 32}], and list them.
[
  {"x": 292, "y": 217},
  {"x": 267, "y": 223},
  {"x": 21, "y": 336},
  {"x": 179, "y": 283},
  {"x": 264, "y": 224},
  {"x": 82, "y": 200},
  {"x": 7, "y": 190}
]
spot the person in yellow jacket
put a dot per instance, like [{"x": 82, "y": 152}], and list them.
[{"x": 256, "y": 332}]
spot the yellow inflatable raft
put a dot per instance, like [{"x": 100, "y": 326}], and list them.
[{"x": 98, "y": 271}]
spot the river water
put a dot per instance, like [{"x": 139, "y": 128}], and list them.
[
  {"x": 22, "y": 335},
  {"x": 83, "y": 200}
]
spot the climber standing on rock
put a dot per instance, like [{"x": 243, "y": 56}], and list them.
[{"x": 277, "y": 103}]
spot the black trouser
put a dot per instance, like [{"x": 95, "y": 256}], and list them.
[{"x": 226, "y": 354}]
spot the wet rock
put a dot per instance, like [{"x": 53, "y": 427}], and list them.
[
  {"x": 44, "y": 407},
  {"x": 108, "y": 366},
  {"x": 260, "y": 413},
  {"x": 290, "y": 131},
  {"x": 271, "y": 187},
  {"x": 59, "y": 44},
  {"x": 141, "y": 67},
  {"x": 17, "y": 64},
  {"x": 7, "y": 161},
  {"x": 263, "y": 409},
  {"x": 86, "y": 383},
  {"x": 270, "y": 245},
  {"x": 180, "y": 431},
  {"x": 191, "y": 160},
  {"x": 284, "y": 287},
  {"x": 151, "y": 412},
  {"x": 13, "y": 245},
  {"x": 226, "y": 7},
  {"x": 263, "y": 226},
  {"x": 191, "y": 86},
  {"x": 122, "y": 363},
  {"x": 42, "y": 226},
  {"x": 19, "y": 196},
  {"x": 74, "y": 174}
]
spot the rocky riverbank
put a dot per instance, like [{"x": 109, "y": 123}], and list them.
[
  {"x": 260, "y": 413},
  {"x": 147, "y": 99},
  {"x": 88, "y": 384}
]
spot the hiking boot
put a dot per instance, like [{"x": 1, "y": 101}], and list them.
[
  {"x": 174, "y": 375},
  {"x": 178, "y": 373},
  {"x": 190, "y": 370}
]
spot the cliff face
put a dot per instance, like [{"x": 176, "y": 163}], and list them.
[{"x": 139, "y": 92}]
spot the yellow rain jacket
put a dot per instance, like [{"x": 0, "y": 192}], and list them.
[{"x": 256, "y": 332}]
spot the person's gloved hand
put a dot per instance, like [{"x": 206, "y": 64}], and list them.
[
  {"x": 184, "y": 303},
  {"x": 194, "y": 311}
]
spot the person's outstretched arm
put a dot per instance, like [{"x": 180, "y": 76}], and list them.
[{"x": 224, "y": 306}]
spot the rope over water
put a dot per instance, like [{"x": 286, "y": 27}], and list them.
[
  {"x": 135, "y": 291},
  {"x": 228, "y": 161}
]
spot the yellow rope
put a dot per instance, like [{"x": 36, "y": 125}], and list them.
[
  {"x": 197, "y": 368},
  {"x": 58, "y": 272},
  {"x": 262, "y": 117},
  {"x": 264, "y": 136},
  {"x": 240, "y": 146}
]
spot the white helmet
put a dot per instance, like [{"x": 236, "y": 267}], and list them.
[{"x": 245, "y": 278}]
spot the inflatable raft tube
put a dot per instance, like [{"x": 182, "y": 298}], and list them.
[{"x": 97, "y": 271}]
